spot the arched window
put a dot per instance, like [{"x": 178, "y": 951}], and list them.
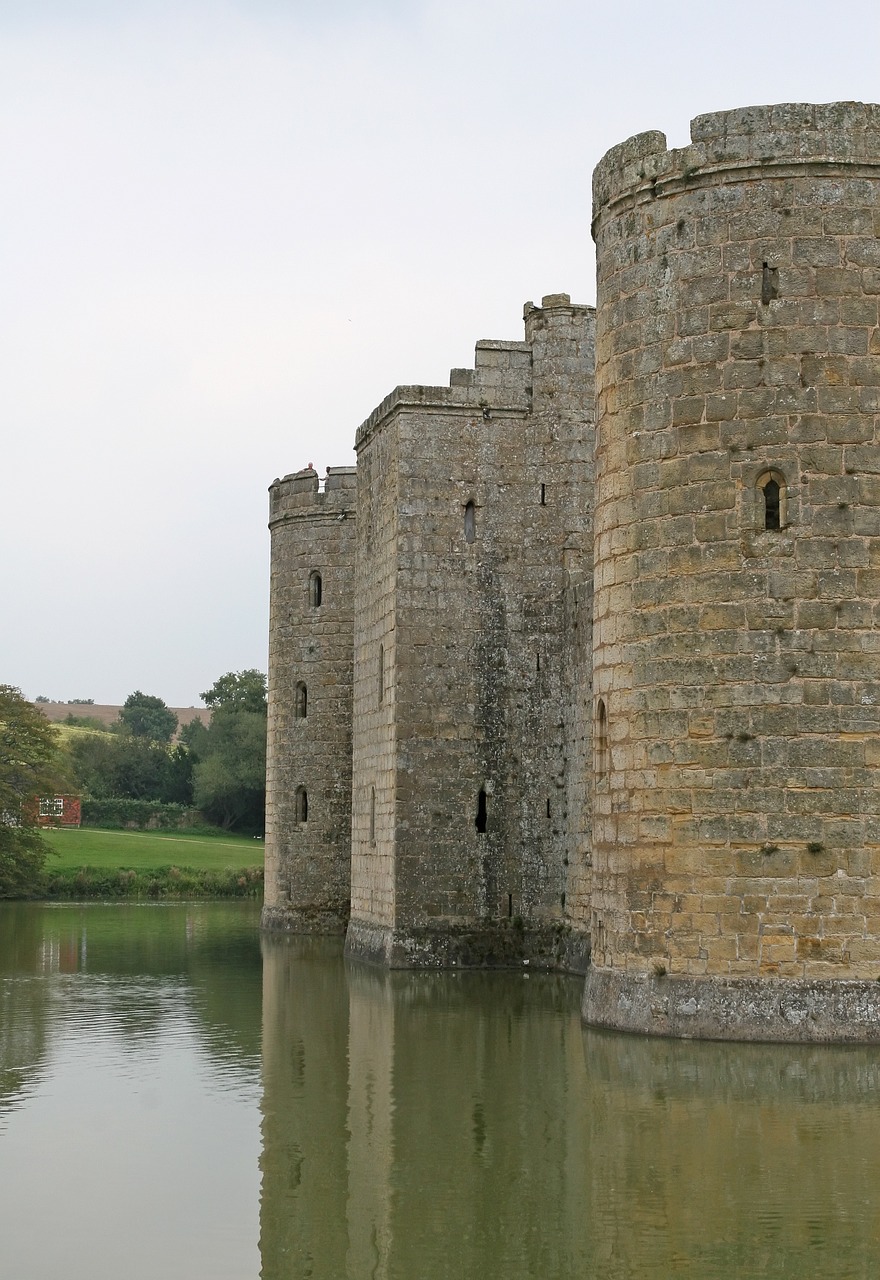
[
  {"x": 300, "y": 702},
  {"x": 315, "y": 589},
  {"x": 482, "y": 812},
  {"x": 601, "y": 752},
  {"x": 381, "y": 673},
  {"x": 302, "y": 805},
  {"x": 372, "y": 815},
  {"x": 773, "y": 493},
  {"x": 470, "y": 522}
]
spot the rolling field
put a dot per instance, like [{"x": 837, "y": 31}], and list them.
[{"x": 145, "y": 851}]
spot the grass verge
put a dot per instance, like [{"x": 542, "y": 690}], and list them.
[{"x": 96, "y": 863}]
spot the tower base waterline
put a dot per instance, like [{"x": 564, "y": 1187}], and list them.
[
  {"x": 481, "y": 945},
  {"x": 812, "y": 1011}
]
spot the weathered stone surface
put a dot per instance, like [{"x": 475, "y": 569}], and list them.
[
  {"x": 734, "y": 830},
  {"x": 472, "y": 575},
  {"x": 308, "y": 863},
  {"x": 794, "y": 1010},
  {"x": 655, "y": 655}
]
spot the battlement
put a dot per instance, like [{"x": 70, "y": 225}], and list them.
[
  {"x": 763, "y": 137},
  {"x": 301, "y": 493},
  {"x": 502, "y": 377}
]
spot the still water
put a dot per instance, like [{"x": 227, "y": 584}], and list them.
[{"x": 178, "y": 1098}]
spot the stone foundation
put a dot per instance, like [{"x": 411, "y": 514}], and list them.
[
  {"x": 813, "y": 1011},
  {"x": 281, "y": 918},
  {"x": 495, "y": 946}
]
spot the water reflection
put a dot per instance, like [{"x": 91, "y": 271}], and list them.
[
  {"x": 413, "y": 1126},
  {"x": 736, "y": 1160},
  {"x": 445, "y": 1144},
  {"x": 129, "y": 1069},
  {"x": 420, "y": 1125}
]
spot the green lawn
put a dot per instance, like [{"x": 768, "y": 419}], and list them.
[{"x": 147, "y": 850}]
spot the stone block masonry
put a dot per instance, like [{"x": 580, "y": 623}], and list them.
[
  {"x": 735, "y": 818},
  {"x": 308, "y": 789},
  {"x": 606, "y": 670},
  {"x": 473, "y": 532},
  {"x": 455, "y": 732}
]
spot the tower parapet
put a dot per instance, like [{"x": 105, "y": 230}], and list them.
[
  {"x": 764, "y": 138},
  {"x": 736, "y": 801},
  {"x": 308, "y": 798}
]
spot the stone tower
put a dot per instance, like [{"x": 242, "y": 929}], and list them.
[
  {"x": 736, "y": 829},
  {"x": 308, "y": 792},
  {"x": 473, "y": 534}
]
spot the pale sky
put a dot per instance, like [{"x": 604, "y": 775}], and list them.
[{"x": 228, "y": 228}]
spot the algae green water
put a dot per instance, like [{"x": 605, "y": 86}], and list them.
[{"x": 181, "y": 1098}]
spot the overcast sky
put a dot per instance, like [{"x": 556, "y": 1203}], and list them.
[{"x": 228, "y": 228}]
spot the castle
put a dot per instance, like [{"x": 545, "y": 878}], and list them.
[{"x": 579, "y": 665}]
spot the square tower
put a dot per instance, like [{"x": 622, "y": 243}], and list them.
[{"x": 472, "y": 567}]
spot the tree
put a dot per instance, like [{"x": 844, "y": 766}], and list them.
[
  {"x": 229, "y": 775},
  {"x": 238, "y": 691},
  {"x": 145, "y": 716},
  {"x": 229, "y": 781},
  {"x": 117, "y": 766},
  {"x": 27, "y": 769}
]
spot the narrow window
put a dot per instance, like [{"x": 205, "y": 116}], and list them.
[
  {"x": 769, "y": 284},
  {"x": 301, "y": 702},
  {"x": 315, "y": 589},
  {"x": 537, "y": 662},
  {"x": 302, "y": 805},
  {"x": 601, "y": 739},
  {"x": 381, "y": 673},
  {"x": 470, "y": 522},
  {"x": 543, "y": 495},
  {"x": 773, "y": 493},
  {"x": 509, "y": 905},
  {"x": 372, "y": 815},
  {"x": 771, "y": 505},
  {"x": 482, "y": 814},
  {"x": 562, "y": 901},
  {"x": 548, "y": 806}
]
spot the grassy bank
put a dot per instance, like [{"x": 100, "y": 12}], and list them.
[{"x": 94, "y": 863}]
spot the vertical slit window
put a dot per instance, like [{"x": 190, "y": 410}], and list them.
[
  {"x": 301, "y": 702},
  {"x": 315, "y": 589},
  {"x": 601, "y": 739},
  {"x": 482, "y": 812},
  {"x": 302, "y": 805},
  {"x": 470, "y": 522},
  {"x": 543, "y": 495},
  {"x": 774, "y": 500},
  {"x": 771, "y": 505},
  {"x": 372, "y": 815},
  {"x": 381, "y": 673}
]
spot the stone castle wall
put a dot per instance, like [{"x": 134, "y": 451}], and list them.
[
  {"x": 308, "y": 791},
  {"x": 622, "y": 688},
  {"x": 473, "y": 518},
  {"x": 737, "y": 801}
]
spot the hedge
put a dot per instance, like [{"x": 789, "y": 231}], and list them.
[{"x": 139, "y": 815}]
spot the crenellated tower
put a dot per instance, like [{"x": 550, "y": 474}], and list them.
[
  {"x": 736, "y": 799},
  {"x": 473, "y": 536},
  {"x": 308, "y": 795}
]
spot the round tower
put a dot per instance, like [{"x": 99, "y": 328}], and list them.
[
  {"x": 736, "y": 793},
  {"x": 308, "y": 767}
]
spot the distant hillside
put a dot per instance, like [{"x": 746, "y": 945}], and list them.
[{"x": 58, "y": 711}]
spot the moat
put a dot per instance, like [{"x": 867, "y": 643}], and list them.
[{"x": 181, "y": 1097}]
